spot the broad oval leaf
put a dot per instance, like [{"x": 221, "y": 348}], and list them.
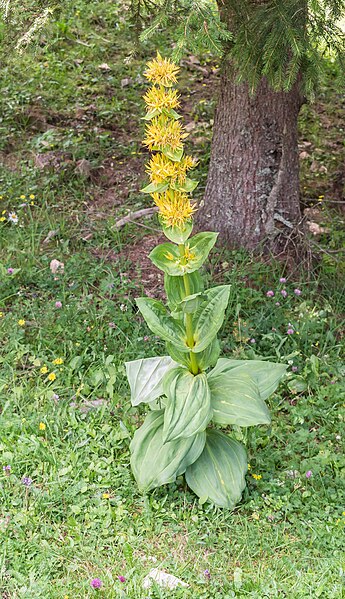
[
  {"x": 167, "y": 257},
  {"x": 235, "y": 399},
  {"x": 145, "y": 377},
  {"x": 175, "y": 288},
  {"x": 177, "y": 234},
  {"x": 161, "y": 324},
  {"x": 267, "y": 375},
  {"x": 188, "y": 409},
  {"x": 156, "y": 463},
  {"x": 209, "y": 318},
  {"x": 219, "y": 473}
]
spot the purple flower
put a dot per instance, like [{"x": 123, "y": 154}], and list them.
[
  {"x": 56, "y": 397},
  {"x": 252, "y": 340},
  {"x": 10, "y": 271},
  {"x": 58, "y": 304},
  {"x": 290, "y": 332},
  {"x": 121, "y": 578},
  {"x": 7, "y": 469},
  {"x": 308, "y": 474},
  {"x": 282, "y": 280},
  {"x": 294, "y": 368},
  {"x": 207, "y": 574},
  {"x": 283, "y": 292},
  {"x": 277, "y": 304},
  {"x": 27, "y": 481},
  {"x": 297, "y": 292},
  {"x": 96, "y": 583},
  {"x": 270, "y": 293}
]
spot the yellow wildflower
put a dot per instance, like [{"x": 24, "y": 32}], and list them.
[
  {"x": 169, "y": 256},
  {"x": 161, "y": 71},
  {"x": 31, "y": 196},
  {"x": 105, "y": 495},
  {"x": 161, "y": 134},
  {"x": 249, "y": 466},
  {"x": 21, "y": 322},
  {"x": 3, "y": 212},
  {"x": 44, "y": 370},
  {"x": 157, "y": 98},
  {"x": 188, "y": 254},
  {"x": 22, "y": 197},
  {"x": 257, "y": 476},
  {"x": 52, "y": 376},
  {"x": 1, "y": 314},
  {"x": 42, "y": 426},
  {"x": 160, "y": 168},
  {"x": 174, "y": 208},
  {"x": 58, "y": 361},
  {"x": 2, "y": 219}
]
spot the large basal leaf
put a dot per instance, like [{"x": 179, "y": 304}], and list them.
[
  {"x": 161, "y": 324},
  {"x": 175, "y": 288},
  {"x": 209, "y": 317},
  {"x": 188, "y": 409},
  {"x": 267, "y": 375},
  {"x": 218, "y": 475},
  {"x": 156, "y": 463},
  {"x": 145, "y": 378},
  {"x": 167, "y": 257},
  {"x": 235, "y": 399},
  {"x": 205, "y": 358}
]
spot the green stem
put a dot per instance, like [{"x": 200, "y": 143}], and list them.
[{"x": 189, "y": 319}]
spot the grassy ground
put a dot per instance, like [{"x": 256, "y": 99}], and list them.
[{"x": 70, "y": 136}]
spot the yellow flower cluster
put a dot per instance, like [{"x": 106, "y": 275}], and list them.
[
  {"x": 164, "y": 135},
  {"x": 160, "y": 168},
  {"x": 174, "y": 208},
  {"x": 161, "y": 71}
]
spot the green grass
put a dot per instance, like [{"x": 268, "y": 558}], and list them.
[{"x": 83, "y": 517}]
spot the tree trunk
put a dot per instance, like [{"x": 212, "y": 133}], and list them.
[{"x": 252, "y": 192}]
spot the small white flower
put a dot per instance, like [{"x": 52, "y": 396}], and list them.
[
  {"x": 13, "y": 217},
  {"x": 123, "y": 308}
]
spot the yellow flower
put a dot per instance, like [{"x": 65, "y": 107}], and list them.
[
  {"x": 160, "y": 168},
  {"x": 249, "y": 466},
  {"x": 162, "y": 134},
  {"x": 42, "y": 426},
  {"x": 21, "y": 322},
  {"x": 161, "y": 71},
  {"x": 188, "y": 254},
  {"x": 2, "y": 219},
  {"x": 58, "y": 361},
  {"x": 52, "y": 376},
  {"x": 174, "y": 208},
  {"x": 158, "y": 98},
  {"x": 1, "y": 314},
  {"x": 105, "y": 495},
  {"x": 22, "y": 197},
  {"x": 31, "y": 196},
  {"x": 44, "y": 370},
  {"x": 257, "y": 476}
]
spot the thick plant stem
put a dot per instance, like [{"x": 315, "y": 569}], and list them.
[{"x": 189, "y": 319}]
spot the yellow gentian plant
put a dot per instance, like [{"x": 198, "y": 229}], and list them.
[{"x": 191, "y": 391}]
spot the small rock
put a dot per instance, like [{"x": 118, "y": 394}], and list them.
[
  {"x": 104, "y": 67},
  {"x": 57, "y": 266},
  {"x": 163, "y": 580}
]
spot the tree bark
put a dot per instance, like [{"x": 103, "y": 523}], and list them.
[{"x": 252, "y": 192}]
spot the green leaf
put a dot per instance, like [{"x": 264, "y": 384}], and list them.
[
  {"x": 177, "y": 234},
  {"x": 145, "y": 378},
  {"x": 219, "y": 473},
  {"x": 209, "y": 318},
  {"x": 235, "y": 398},
  {"x": 175, "y": 288},
  {"x": 191, "y": 303},
  {"x": 188, "y": 186},
  {"x": 188, "y": 408},
  {"x": 267, "y": 375},
  {"x": 206, "y": 358},
  {"x": 153, "y": 187},
  {"x": 167, "y": 257},
  {"x": 156, "y": 463},
  {"x": 151, "y": 115},
  {"x": 175, "y": 156},
  {"x": 161, "y": 324}
]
